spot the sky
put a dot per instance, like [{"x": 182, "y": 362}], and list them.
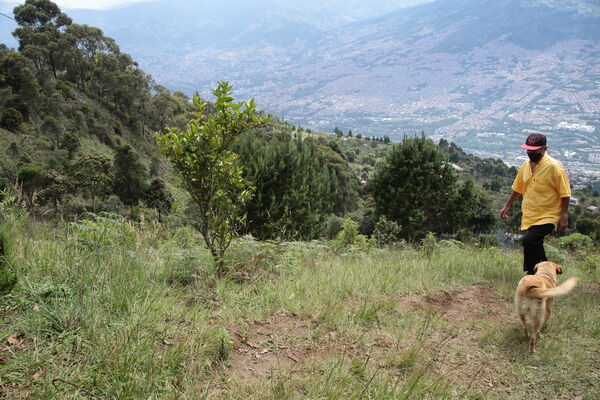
[{"x": 91, "y": 4}]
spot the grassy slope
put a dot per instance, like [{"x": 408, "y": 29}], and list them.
[{"x": 120, "y": 311}]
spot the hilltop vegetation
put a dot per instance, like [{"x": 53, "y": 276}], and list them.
[
  {"x": 79, "y": 118},
  {"x": 70, "y": 102}
]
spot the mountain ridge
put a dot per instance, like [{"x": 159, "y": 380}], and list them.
[{"x": 477, "y": 72}]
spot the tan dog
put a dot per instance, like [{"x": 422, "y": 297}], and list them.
[{"x": 535, "y": 294}]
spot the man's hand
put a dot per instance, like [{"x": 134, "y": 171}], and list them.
[
  {"x": 513, "y": 196},
  {"x": 563, "y": 222},
  {"x": 504, "y": 212}
]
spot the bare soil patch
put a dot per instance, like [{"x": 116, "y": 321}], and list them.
[
  {"x": 475, "y": 302},
  {"x": 285, "y": 342}
]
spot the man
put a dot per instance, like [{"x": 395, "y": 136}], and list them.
[{"x": 544, "y": 185}]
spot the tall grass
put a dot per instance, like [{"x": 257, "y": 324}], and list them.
[{"x": 109, "y": 309}]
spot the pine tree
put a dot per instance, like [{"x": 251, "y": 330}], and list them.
[
  {"x": 416, "y": 187},
  {"x": 299, "y": 183}
]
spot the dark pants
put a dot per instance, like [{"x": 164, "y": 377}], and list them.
[{"x": 533, "y": 246}]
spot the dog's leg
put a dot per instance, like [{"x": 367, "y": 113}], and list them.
[
  {"x": 537, "y": 325},
  {"x": 548, "y": 310},
  {"x": 525, "y": 331}
]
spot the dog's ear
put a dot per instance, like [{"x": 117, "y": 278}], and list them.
[
  {"x": 558, "y": 269},
  {"x": 535, "y": 267}
]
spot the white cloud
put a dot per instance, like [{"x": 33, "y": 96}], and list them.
[{"x": 93, "y": 4}]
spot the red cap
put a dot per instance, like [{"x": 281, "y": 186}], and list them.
[{"x": 534, "y": 141}]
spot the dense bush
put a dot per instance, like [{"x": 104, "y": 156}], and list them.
[
  {"x": 349, "y": 237},
  {"x": 576, "y": 241}
]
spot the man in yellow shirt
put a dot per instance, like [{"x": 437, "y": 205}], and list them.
[{"x": 545, "y": 187}]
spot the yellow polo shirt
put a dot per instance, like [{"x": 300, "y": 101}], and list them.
[{"x": 542, "y": 191}]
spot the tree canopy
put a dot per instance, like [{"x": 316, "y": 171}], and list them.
[{"x": 416, "y": 187}]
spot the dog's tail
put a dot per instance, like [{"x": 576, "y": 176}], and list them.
[{"x": 560, "y": 290}]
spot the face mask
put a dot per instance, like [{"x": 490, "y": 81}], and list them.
[{"x": 534, "y": 157}]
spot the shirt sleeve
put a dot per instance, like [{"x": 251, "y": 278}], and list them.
[
  {"x": 518, "y": 185},
  {"x": 562, "y": 182}
]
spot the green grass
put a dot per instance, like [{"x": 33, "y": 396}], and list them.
[{"x": 109, "y": 309}]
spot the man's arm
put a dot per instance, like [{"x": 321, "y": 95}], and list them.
[
  {"x": 511, "y": 199},
  {"x": 563, "y": 221}
]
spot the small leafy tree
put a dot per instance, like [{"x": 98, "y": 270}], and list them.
[
  {"x": 202, "y": 156},
  {"x": 91, "y": 176}
]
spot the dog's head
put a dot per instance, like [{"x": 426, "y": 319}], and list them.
[{"x": 548, "y": 267}]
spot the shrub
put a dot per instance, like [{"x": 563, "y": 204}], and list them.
[
  {"x": 428, "y": 244},
  {"x": 591, "y": 264},
  {"x": 488, "y": 240},
  {"x": 11, "y": 119},
  {"x": 103, "y": 229},
  {"x": 576, "y": 241},
  {"x": 450, "y": 244},
  {"x": 386, "y": 231},
  {"x": 333, "y": 226},
  {"x": 112, "y": 205},
  {"x": 554, "y": 254},
  {"x": 8, "y": 279},
  {"x": 349, "y": 236}
]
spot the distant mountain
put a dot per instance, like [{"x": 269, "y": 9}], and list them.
[{"x": 482, "y": 73}]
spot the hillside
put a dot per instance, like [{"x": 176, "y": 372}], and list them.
[{"x": 480, "y": 73}]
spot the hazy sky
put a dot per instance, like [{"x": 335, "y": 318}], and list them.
[{"x": 95, "y": 4}]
